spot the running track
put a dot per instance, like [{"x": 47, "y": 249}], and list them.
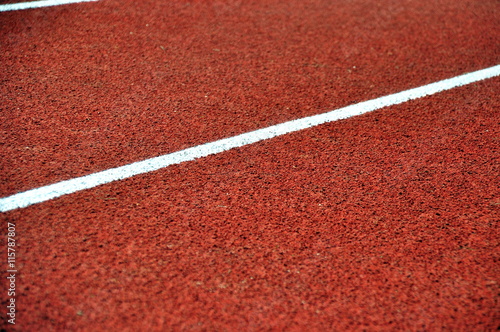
[{"x": 383, "y": 221}]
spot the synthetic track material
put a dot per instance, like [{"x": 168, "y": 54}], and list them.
[
  {"x": 70, "y": 186},
  {"x": 386, "y": 221}
]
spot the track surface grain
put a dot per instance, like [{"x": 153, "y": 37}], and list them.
[
  {"x": 83, "y": 95},
  {"x": 387, "y": 221}
]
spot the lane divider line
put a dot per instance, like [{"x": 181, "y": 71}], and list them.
[
  {"x": 37, "y": 4},
  {"x": 58, "y": 189}
]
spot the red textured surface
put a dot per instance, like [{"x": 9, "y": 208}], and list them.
[
  {"x": 387, "y": 221},
  {"x": 2, "y": 2}
]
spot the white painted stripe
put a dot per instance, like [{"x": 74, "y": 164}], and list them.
[
  {"x": 37, "y": 4},
  {"x": 89, "y": 181}
]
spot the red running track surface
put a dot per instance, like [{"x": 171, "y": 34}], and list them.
[{"x": 386, "y": 221}]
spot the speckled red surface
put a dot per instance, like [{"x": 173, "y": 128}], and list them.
[
  {"x": 3, "y": 2},
  {"x": 387, "y": 221}
]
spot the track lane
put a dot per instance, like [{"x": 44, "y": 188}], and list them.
[
  {"x": 81, "y": 95},
  {"x": 384, "y": 221},
  {"x": 387, "y": 220}
]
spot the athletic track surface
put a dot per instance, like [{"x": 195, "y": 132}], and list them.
[{"x": 385, "y": 221}]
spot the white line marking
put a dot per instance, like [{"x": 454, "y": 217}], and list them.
[
  {"x": 37, "y": 4},
  {"x": 149, "y": 165}
]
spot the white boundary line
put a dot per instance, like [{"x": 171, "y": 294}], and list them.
[
  {"x": 46, "y": 193},
  {"x": 37, "y": 4}
]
